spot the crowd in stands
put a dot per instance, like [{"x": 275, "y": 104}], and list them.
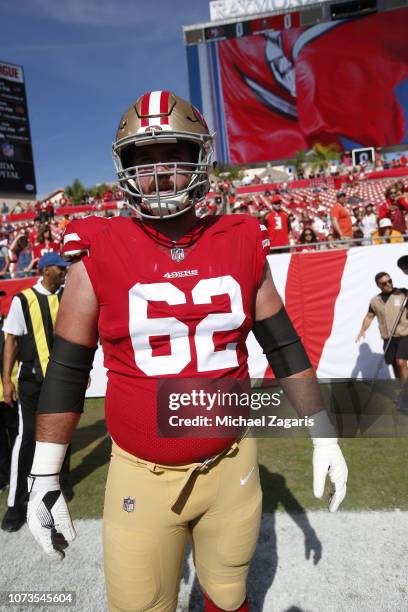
[
  {"x": 375, "y": 211},
  {"x": 309, "y": 219},
  {"x": 46, "y": 209},
  {"x": 342, "y": 169}
]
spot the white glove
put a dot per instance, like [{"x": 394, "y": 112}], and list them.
[
  {"x": 48, "y": 516},
  {"x": 328, "y": 459}
]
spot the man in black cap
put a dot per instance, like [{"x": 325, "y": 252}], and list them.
[{"x": 29, "y": 330}]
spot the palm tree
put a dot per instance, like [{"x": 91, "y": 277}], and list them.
[
  {"x": 299, "y": 161},
  {"x": 322, "y": 155}
]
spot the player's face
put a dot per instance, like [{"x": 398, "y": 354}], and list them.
[{"x": 162, "y": 157}]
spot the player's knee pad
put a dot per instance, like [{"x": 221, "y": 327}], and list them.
[{"x": 228, "y": 596}]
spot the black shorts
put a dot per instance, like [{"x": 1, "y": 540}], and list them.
[{"x": 398, "y": 349}]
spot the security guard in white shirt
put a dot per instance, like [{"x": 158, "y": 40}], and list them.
[{"x": 30, "y": 330}]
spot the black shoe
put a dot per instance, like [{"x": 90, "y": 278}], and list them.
[{"x": 13, "y": 520}]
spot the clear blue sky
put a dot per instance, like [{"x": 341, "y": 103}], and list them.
[{"x": 85, "y": 61}]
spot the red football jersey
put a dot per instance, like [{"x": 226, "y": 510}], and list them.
[
  {"x": 278, "y": 228},
  {"x": 41, "y": 248},
  {"x": 169, "y": 310}
]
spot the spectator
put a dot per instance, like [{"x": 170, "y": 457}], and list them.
[
  {"x": 24, "y": 261},
  {"x": 45, "y": 244},
  {"x": 368, "y": 223},
  {"x": 33, "y": 234},
  {"x": 19, "y": 244},
  {"x": 340, "y": 218},
  {"x": 358, "y": 233},
  {"x": 394, "y": 209},
  {"x": 402, "y": 195},
  {"x": 4, "y": 259},
  {"x": 306, "y": 219},
  {"x": 306, "y": 239},
  {"x": 294, "y": 225},
  {"x": 331, "y": 241},
  {"x": 386, "y": 234},
  {"x": 50, "y": 210},
  {"x": 5, "y": 209},
  {"x": 319, "y": 225},
  {"x": 333, "y": 169},
  {"x": 278, "y": 225}
]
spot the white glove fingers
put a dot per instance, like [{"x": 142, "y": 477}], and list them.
[
  {"x": 67, "y": 529},
  {"x": 50, "y": 522},
  {"x": 320, "y": 471},
  {"x": 338, "y": 474},
  {"x": 328, "y": 459},
  {"x": 44, "y": 539},
  {"x": 337, "y": 498}
]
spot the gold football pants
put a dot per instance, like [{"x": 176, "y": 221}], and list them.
[{"x": 145, "y": 533}]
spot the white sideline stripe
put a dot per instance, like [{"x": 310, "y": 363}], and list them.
[
  {"x": 72, "y": 236},
  {"x": 14, "y": 460}
]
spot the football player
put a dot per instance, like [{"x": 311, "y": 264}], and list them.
[{"x": 169, "y": 295}]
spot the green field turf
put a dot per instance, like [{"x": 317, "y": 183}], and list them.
[{"x": 377, "y": 471}]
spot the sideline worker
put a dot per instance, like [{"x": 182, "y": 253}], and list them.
[
  {"x": 8, "y": 422},
  {"x": 29, "y": 332},
  {"x": 386, "y": 307}
]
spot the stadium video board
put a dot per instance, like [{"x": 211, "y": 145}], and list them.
[
  {"x": 16, "y": 156},
  {"x": 273, "y": 87}
]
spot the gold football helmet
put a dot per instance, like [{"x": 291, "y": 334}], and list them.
[{"x": 162, "y": 117}]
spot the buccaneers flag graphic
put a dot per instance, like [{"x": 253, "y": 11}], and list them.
[{"x": 285, "y": 91}]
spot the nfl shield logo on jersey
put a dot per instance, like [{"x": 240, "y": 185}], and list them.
[
  {"x": 129, "y": 504},
  {"x": 177, "y": 254}
]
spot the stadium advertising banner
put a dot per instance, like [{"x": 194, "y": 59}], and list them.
[
  {"x": 274, "y": 88},
  {"x": 16, "y": 157},
  {"x": 225, "y": 9}
]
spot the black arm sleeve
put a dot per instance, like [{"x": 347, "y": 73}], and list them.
[
  {"x": 281, "y": 345},
  {"x": 66, "y": 379}
]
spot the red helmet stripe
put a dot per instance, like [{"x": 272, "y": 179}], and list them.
[
  {"x": 164, "y": 106},
  {"x": 144, "y": 109}
]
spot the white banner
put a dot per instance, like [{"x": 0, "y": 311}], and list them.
[{"x": 334, "y": 290}]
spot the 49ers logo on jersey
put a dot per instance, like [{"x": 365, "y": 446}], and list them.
[{"x": 181, "y": 274}]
